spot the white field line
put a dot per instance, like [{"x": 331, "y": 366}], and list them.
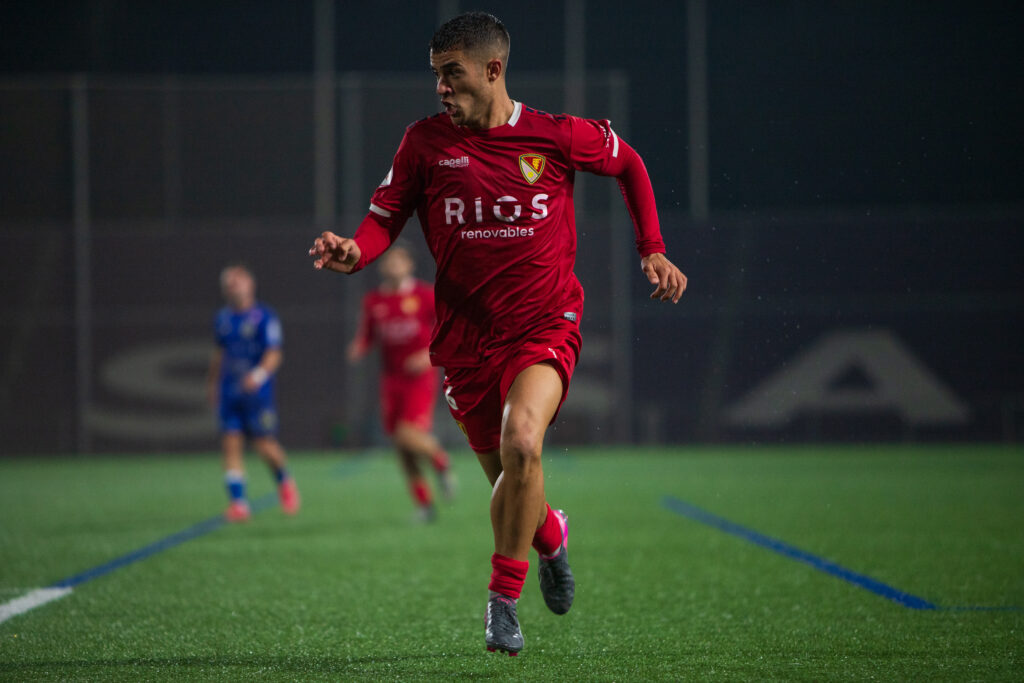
[{"x": 31, "y": 600}]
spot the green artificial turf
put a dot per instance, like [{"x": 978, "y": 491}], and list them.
[{"x": 352, "y": 588}]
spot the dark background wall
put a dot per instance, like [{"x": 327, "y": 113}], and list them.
[
  {"x": 864, "y": 178},
  {"x": 811, "y": 104}
]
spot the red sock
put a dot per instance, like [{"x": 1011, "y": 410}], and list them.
[
  {"x": 508, "y": 575},
  {"x": 440, "y": 460},
  {"x": 549, "y": 536},
  {"x": 420, "y": 492}
]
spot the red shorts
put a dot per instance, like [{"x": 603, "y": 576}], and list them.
[
  {"x": 409, "y": 399},
  {"x": 476, "y": 395}
]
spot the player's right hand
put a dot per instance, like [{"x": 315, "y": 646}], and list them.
[{"x": 332, "y": 252}]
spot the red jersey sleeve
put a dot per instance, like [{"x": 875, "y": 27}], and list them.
[
  {"x": 391, "y": 205},
  {"x": 596, "y": 148}
]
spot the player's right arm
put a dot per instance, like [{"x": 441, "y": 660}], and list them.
[
  {"x": 393, "y": 202},
  {"x": 363, "y": 339},
  {"x": 213, "y": 376}
]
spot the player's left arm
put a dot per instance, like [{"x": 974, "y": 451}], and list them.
[
  {"x": 271, "y": 359},
  {"x": 635, "y": 183},
  {"x": 595, "y": 147},
  {"x": 417, "y": 362}
]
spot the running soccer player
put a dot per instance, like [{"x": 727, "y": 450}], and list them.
[
  {"x": 491, "y": 182},
  {"x": 399, "y": 315},
  {"x": 240, "y": 383}
]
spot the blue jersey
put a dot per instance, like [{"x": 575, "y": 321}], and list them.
[{"x": 244, "y": 336}]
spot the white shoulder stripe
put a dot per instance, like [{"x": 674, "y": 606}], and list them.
[
  {"x": 379, "y": 211},
  {"x": 615, "y": 144},
  {"x": 517, "y": 110}
]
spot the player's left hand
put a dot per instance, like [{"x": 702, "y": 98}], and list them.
[{"x": 670, "y": 281}]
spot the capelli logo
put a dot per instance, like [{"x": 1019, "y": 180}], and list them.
[{"x": 461, "y": 162}]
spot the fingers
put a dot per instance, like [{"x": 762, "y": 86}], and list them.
[
  {"x": 652, "y": 273},
  {"x": 671, "y": 285},
  {"x": 320, "y": 250},
  {"x": 331, "y": 251}
]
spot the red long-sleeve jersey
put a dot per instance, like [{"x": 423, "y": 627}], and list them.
[
  {"x": 496, "y": 209},
  {"x": 401, "y": 321}
]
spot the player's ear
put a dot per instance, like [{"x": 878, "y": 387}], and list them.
[{"x": 495, "y": 69}]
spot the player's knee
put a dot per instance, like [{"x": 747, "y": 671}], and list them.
[
  {"x": 401, "y": 438},
  {"x": 521, "y": 446},
  {"x": 406, "y": 436}
]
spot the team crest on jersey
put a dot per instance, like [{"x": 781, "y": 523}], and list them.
[
  {"x": 410, "y": 305},
  {"x": 532, "y": 166}
]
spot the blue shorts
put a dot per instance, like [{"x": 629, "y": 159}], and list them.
[{"x": 255, "y": 415}]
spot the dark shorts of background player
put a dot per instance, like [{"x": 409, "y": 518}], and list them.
[
  {"x": 476, "y": 395},
  {"x": 255, "y": 415},
  {"x": 408, "y": 399}
]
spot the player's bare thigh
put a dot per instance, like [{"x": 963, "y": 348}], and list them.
[
  {"x": 411, "y": 436},
  {"x": 532, "y": 401},
  {"x": 530, "y": 405}
]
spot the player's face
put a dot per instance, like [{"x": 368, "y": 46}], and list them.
[
  {"x": 239, "y": 287},
  {"x": 395, "y": 266},
  {"x": 462, "y": 85}
]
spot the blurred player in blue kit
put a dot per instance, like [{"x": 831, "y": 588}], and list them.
[{"x": 240, "y": 384}]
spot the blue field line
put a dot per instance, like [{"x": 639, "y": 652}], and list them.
[
  {"x": 866, "y": 582},
  {"x": 194, "y": 531},
  {"x": 351, "y": 465},
  {"x": 344, "y": 469}
]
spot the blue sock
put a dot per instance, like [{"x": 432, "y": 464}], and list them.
[
  {"x": 280, "y": 474},
  {"x": 235, "y": 483}
]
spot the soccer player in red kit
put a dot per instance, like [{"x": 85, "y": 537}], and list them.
[
  {"x": 399, "y": 316},
  {"x": 491, "y": 182}
]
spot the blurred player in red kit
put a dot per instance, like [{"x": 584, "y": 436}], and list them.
[
  {"x": 491, "y": 181},
  {"x": 399, "y": 315}
]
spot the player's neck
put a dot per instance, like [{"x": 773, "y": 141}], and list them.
[
  {"x": 394, "y": 286},
  {"x": 243, "y": 306},
  {"x": 497, "y": 114}
]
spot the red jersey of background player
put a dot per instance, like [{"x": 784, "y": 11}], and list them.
[
  {"x": 497, "y": 212},
  {"x": 402, "y": 321}
]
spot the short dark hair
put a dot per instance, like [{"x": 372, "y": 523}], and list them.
[{"x": 472, "y": 32}]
